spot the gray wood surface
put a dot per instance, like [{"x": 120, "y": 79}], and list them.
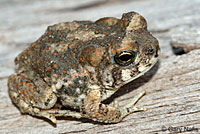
[{"x": 172, "y": 86}]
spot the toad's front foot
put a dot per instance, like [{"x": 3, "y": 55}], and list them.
[
  {"x": 130, "y": 108},
  {"x": 97, "y": 111}
]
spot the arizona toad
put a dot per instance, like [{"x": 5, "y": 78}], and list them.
[{"x": 81, "y": 63}]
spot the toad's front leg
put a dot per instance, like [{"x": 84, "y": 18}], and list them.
[{"x": 95, "y": 110}]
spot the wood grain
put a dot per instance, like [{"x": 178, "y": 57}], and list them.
[{"x": 172, "y": 86}]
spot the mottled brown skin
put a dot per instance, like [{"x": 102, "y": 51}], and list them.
[{"x": 81, "y": 63}]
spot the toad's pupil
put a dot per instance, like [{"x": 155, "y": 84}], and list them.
[{"x": 126, "y": 57}]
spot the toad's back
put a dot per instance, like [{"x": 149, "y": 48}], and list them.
[{"x": 57, "y": 52}]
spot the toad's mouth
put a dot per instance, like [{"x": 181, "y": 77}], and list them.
[{"x": 142, "y": 69}]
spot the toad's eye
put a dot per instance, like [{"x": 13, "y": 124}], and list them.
[{"x": 125, "y": 58}]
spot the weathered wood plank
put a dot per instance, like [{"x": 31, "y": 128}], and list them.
[
  {"x": 186, "y": 38},
  {"x": 173, "y": 85}
]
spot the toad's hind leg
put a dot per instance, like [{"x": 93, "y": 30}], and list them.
[
  {"x": 31, "y": 95},
  {"x": 34, "y": 97},
  {"x": 95, "y": 110}
]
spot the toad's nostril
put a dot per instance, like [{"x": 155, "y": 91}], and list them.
[{"x": 150, "y": 50}]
